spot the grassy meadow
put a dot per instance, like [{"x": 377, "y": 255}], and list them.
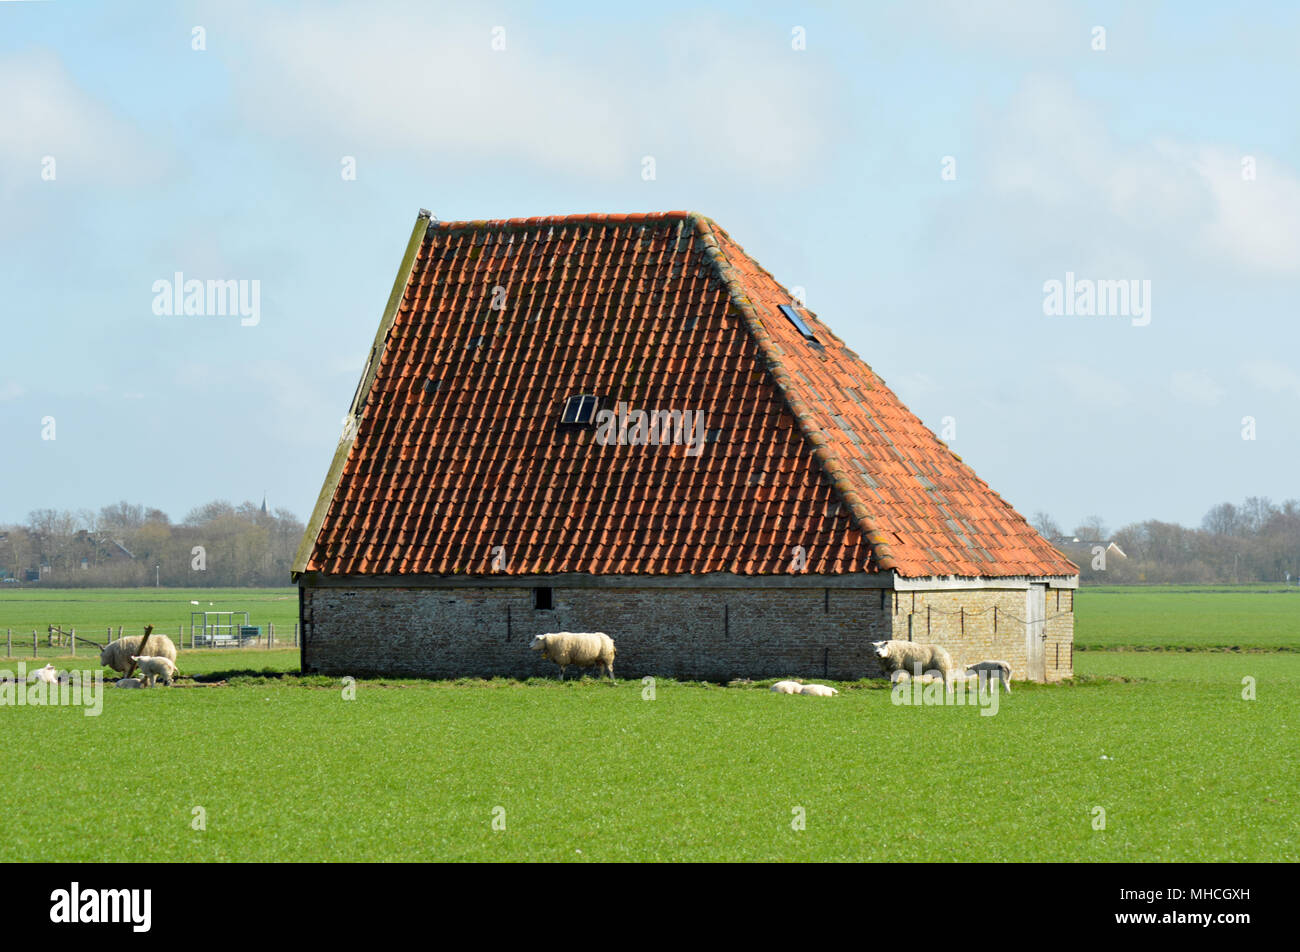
[
  {"x": 91, "y": 611},
  {"x": 287, "y": 768},
  {"x": 1188, "y": 617}
]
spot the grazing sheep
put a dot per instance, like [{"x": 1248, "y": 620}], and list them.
[
  {"x": 117, "y": 654},
  {"x": 46, "y": 674},
  {"x": 819, "y": 690},
  {"x": 907, "y": 655},
  {"x": 153, "y": 667},
  {"x": 585, "y": 649},
  {"x": 986, "y": 669},
  {"x": 129, "y": 683},
  {"x": 787, "y": 687}
]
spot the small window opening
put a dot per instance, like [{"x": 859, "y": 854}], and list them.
[
  {"x": 793, "y": 317},
  {"x": 580, "y": 408},
  {"x": 543, "y": 599}
]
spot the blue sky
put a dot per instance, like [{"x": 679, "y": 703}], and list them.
[{"x": 1122, "y": 163}]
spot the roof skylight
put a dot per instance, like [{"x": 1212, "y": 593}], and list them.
[{"x": 793, "y": 317}]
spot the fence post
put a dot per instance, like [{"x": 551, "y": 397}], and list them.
[
  {"x": 72, "y": 640},
  {"x": 9, "y": 642},
  {"x": 35, "y": 642},
  {"x": 270, "y": 635}
]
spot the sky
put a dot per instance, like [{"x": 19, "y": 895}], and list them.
[{"x": 923, "y": 171}]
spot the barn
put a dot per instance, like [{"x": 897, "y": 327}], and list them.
[{"x": 622, "y": 423}]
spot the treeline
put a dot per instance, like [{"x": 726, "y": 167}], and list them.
[
  {"x": 1257, "y": 541},
  {"x": 221, "y": 545},
  {"x": 218, "y": 545}
]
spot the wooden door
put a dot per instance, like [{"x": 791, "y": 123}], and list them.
[{"x": 1035, "y": 632}]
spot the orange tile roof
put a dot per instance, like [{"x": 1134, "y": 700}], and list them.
[{"x": 459, "y": 449}]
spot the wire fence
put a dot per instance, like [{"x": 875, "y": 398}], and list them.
[{"x": 56, "y": 641}]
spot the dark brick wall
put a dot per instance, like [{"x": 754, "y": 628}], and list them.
[{"x": 685, "y": 633}]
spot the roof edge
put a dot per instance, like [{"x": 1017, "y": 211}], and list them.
[
  {"x": 423, "y": 222},
  {"x": 553, "y": 221},
  {"x": 830, "y": 464}
]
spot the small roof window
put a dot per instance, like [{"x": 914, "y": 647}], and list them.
[
  {"x": 580, "y": 408},
  {"x": 793, "y": 317}
]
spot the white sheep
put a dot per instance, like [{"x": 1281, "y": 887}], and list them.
[
  {"x": 129, "y": 683},
  {"x": 907, "y": 655},
  {"x": 117, "y": 654},
  {"x": 46, "y": 674},
  {"x": 585, "y": 649},
  {"x": 153, "y": 667},
  {"x": 787, "y": 687},
  {"x": 819, "y": 690},
  {"x": 986, "y": 669}
]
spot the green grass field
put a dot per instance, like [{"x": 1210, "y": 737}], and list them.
[
  {"x": 1188, "y": 617},
  {"x": 91, "y": 611},
  {"x": 286, "y": 769}
]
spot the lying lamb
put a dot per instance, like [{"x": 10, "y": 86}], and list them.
[
  {"x": 819, "y": 690},
  {"x": 117, "y": 654},
  {"x": 987, "y": 669},
  {"x": 153, "y": 667},
  {"x": 907, "y": 655},
  {"x": 787, "y": 687},
  {"x": 129, "y": 683},
  {"x": 585, "y": 649}
]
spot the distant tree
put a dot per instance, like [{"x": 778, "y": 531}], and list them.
[
  {"x": 208, "y": 513},
  {"x": 1222, "y": 520},
  {"x": 1046, "y": 525},
  {"x": 121, "y": 518},
  {"x": 1092, "y": 529},
  {"x": 1256, "y": 513}
]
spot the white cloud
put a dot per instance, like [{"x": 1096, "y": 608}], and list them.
[
  {"x": 1272, "y": 377},
  {"x": 1017, "y": 27},
  {"x": 44, "y": 112},
  {"x": 1053, "y": 148},
  {"x": 367, "y": 78},
  {"x": 1197, "y": 388},
  {"x": 11, "y": 390}
]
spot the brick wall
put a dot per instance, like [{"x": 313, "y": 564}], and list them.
[
  {"x": 1060, "y": 633},
  {"x": 964, "y": 623},
  {"x": 686, "y": 633}
]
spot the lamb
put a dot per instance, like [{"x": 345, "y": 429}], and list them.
[
  {"x": 986, "y": 669},
  {"x": 46, "y": 674},
  {"x": 819, "y": 690},
  {"x": 907, "y": 656},
  {"x": 153, "y": 667},
  {"x": 117, "y": 654},
  {"x": 787, "y": 687},
  {"x": 585, "y": 649},
  {"x": 129, "y": 683}
]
